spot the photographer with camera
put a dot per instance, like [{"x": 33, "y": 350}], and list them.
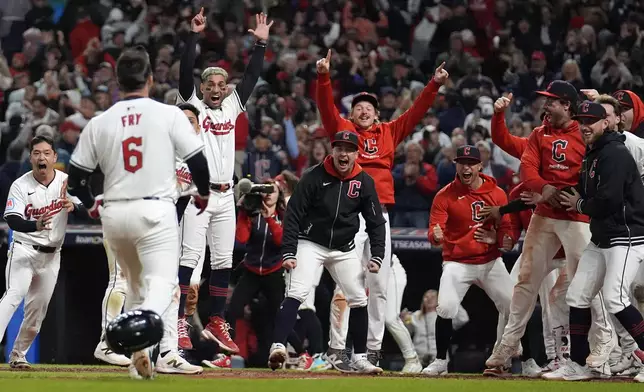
[{"x": 259, "y": 227}]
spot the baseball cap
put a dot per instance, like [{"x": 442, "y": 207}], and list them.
[
  {"x": 561, "y": 90},
  {"x": 345, "y": 137},
  {"x": 538, "y": 55},
  {"x": 468, "y": 153},
  {"x": 365, "y": 97},
  {"x": 624, "y": 99},
  {"x": 589, "y": 113}
]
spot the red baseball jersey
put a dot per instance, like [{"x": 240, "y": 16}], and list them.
[
  {"x": 377, "y": 143},
  {"x": 553, "y": 157},
  {"x": 456, "y": 209}
]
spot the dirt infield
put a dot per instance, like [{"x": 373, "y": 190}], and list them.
[{"x": 280, "y": 374}]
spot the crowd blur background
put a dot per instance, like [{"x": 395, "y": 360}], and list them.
[{"x": 57, "y": 63}]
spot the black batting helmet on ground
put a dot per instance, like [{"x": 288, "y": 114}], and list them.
[{"x": 134, "y": 331}]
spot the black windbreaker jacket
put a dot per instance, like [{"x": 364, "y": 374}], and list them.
[
  {"x": 324, "y": 209},
  {"x": 612, "y": 193}
]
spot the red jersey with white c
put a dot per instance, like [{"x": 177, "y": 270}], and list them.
[
  {"x": 30, "y": 200},
  {"x": 456, "y": 209},
  {"x": 135, "y": 143},
  {"x": 553, "y": 157},
  {"x": 218, "y": 134}
]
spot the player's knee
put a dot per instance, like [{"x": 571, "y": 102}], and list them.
[
  {"x": 187, "y": 261},
  {"x": 357, "y": 300},
  {"x": 221, "y": 262},
  {"x": 447, "y": 310},
  {"x": 578, "y": 299},
  {"x": 638, "y": 293},
  {"x": 14, "y": 297},
  {"x": 615, "y": 305}
]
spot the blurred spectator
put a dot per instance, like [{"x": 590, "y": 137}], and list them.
[
  {"x": 415, "y": 183},
  {"x": 504, "y": 177},
  {"x": 262, "y": 163}
]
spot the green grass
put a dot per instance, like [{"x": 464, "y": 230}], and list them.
[{"x": 70, "y": 378}]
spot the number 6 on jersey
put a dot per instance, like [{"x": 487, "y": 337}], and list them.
[{"x": 132, "y": 158}]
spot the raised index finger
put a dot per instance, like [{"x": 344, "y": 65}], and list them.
[
  {"x": 440, "y": 67},
  {"x": 328, "y": 55},
  {"x": 201, "y": 11}
]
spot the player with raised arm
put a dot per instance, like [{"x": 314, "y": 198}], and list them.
[
  {"x": 469, "y": 256},
  {"x": 218, "y": 112},
  {"x": 37, "y": 209},
  {"x": 135, "y": 143},
  {"x": 319, "y": 229},
  {"x": 377, "y": 144},
  {"x": 552, "y": 160}
]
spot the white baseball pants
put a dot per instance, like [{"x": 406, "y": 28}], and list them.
[
  {"x": 543, "y": 239},
  {"x": 144, "y": 236},
  {"x": 116, "y": 290},
  {"x": 309, "y": 303},
  {"x": 30, "y": 275},
  {"x": 377, "y": 285},
  {"x": 344, "y": 267},
  {"x": 554, "y": 314},
  {"x": 395, "y": 290},
  {"x": 215, "y": 226},
  {"x": 457, "y": 278},
  {"x": 184, "y": 229}
]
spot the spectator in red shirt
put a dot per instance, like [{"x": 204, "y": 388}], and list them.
[{"x": 84, "y": 31}]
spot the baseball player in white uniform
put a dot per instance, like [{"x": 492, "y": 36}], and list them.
[
  {"x": 135, "y": 143},
  {"x": 37, "y": 209},
  {"x": 218, "y": 112}
]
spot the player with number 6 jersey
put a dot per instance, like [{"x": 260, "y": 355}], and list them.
[{"x": 135, "y": 143}]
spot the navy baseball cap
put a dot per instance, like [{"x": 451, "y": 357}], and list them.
[
  {"x": 589, "y": 113},
  {"x": 561, "y": 90},
  {"x": 470, "y": 153},
  {"x": 624, "y": 99},
  {"x": 365, "y": 97},
  {"x": 346, "y": 137}
]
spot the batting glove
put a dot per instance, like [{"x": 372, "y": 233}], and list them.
[
  {"x": 374, "y": 264},
  {"x": 289, "y": 261},
  {"x": 94, "y": 211},
  {"x": 201, "y": 202}
]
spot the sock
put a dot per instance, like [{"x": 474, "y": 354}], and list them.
[
  {"x": 632, "y": 320},
  {"x": 443, "y": 336},
  {"x": 525, "y": 342},
  {"x": 218, "y": 291},
  {"x": 358, "y": 324},
  {"x": 184, "y": 285},
  {"x": 580, "y": 320},
  {"x": 296, "y": 342},
  {"x": 313, "y": 330},
  {"x": 285, "y": 320}
]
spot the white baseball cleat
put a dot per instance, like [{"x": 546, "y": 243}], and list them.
[
  {"x": 553, "y": 365},
  {"x": 530, "y": 369},
  {"x": 277, "y": 356},
  {"x": 501, "y": 355},
  {"x": 628, "y": 365},
  {"x": 142, "y": 364},
  {"x": 105, "y": 354},
  {"x": 364, "y": 366},
  {"x": 18, "y": 362},
  {"x": 173, "y": 363},
  {"x": 437, "y": 368},
  {"x": 412, "y": 365},
  {"x": 640, "y": 376},
  {"x": 570, "y": 371}
]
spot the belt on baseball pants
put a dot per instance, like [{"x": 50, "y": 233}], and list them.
[
  {"x": 39, "y": 248},
  {"x": 220, "y": 187}
]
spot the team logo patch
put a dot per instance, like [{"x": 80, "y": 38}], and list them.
[
  {"x": 585, "y": 107},
  {"x": 354, "y": 189},
  {"x": 370, "y": 146},
  {"x": 476, "y": 211},
  {"x": 11, "y": 204}
]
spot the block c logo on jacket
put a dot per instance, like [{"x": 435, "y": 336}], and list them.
[
  {"x": 354, "y": 189},
  {"x": 370, "y": 146},
  {"x": 557, "y": 150},
  {"x": 476, "y": 209}
]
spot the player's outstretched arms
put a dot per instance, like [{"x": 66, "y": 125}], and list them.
[
  {"x": 189, "y": 55},
  {"x": 256, "y": 63}
]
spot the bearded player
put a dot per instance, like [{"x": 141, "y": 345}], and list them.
[
  {"x": 551, "y": 162},
  {"x": 377, "y": 144},
  {"x": 218, "y": 112}
]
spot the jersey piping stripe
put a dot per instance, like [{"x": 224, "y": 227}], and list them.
[
  {"x": 113, "y": 285},
  {"x": 241, "y": 105},
  {"x": 85, "y": 168},
  {"x": 195, "y": 152}
]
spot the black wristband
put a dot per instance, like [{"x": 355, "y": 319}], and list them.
[{"x": 516, "y": 205}]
